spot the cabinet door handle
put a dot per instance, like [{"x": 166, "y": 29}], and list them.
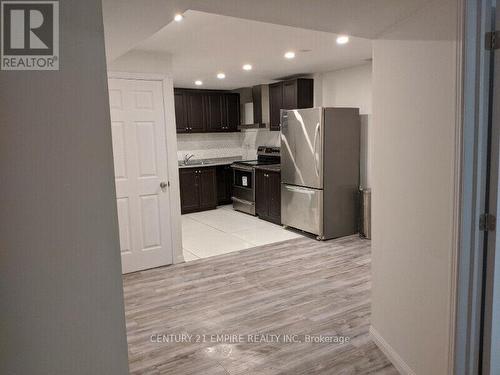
[{"x": 317, "y": 136}]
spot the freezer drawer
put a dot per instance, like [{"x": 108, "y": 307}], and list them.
[{"x": 302, "y": 208}]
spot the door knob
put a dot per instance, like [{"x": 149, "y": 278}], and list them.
[{"x": 163, "y": 185}]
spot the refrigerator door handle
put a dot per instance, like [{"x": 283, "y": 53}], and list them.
[
  {"x": 316, "y": 137},
  {"x": 297, "y": 189}
]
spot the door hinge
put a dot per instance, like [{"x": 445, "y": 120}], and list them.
[
  {"x": 492, "y": 40},
  {"x": 487, "y": 222}
]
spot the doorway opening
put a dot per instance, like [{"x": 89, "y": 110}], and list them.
[{"x": 242, "y": 90}]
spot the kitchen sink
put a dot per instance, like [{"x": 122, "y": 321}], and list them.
[{"x": 195, "y": 162}]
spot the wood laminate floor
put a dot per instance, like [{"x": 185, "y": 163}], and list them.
[{"x": 297, "y": 288}]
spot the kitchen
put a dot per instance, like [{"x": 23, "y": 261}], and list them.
[
  {"x": 229, "y": 145},
  {"x": 255, "y": 186},
  {"x": 243, "y": 187}
]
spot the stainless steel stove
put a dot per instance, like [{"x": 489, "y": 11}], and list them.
[{"x": 244, "y": 178}]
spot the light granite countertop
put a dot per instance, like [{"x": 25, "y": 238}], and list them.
[
  {"x": 196, "y": 163},
  {"x": 270, "y": 167}
]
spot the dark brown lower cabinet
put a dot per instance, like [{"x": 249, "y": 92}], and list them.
[
  {"x": 190, "y": 196},
  {"x": 208, "y": 188},
  {"x": 224, "y": 184},
  {"x": 268, "y": 195},
  {"x": 198, "y": 189}
]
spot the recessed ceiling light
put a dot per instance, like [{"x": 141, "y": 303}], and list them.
[
  {"x": 247, "y": 67},
  {"x": 198, "y": 83},
  {"x": 290, "y": 55},
  {"x": 342, "y": 39},
  {"x": 221, "y": 75},
  {"x": 178, "y": 17}
]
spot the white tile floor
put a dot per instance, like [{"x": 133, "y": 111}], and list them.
[{"x": 224, "y": 230}]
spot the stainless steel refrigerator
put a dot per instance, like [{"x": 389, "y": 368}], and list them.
[{"x": 320, "y": 156}]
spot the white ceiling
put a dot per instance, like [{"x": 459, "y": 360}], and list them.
[
  {"x": 129, "y": 22},
  {"x": 204, "y": 44}
]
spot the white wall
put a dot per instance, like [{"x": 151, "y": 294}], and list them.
[
  {"x": 142, "y": 62},
  {"x": 60, "y": 274},
  {"x": 160, "y": 63},
  {"x": 251, "y": 139},
  {"x": 209, "y": 145},
  {"x": 350, "y": 87},
  {"x": 414, "y": 134}
]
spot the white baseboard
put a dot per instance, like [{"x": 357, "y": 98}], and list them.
[
  {"x": 179, "y": 259},
  {"x": 390, "y": 353}
]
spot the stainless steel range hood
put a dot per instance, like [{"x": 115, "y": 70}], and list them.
[{"x": 254, "y": 107}]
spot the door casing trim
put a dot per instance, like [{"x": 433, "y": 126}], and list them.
[
  {"x": 171, "y": 145},
  {"x": 470, "y": 185}
]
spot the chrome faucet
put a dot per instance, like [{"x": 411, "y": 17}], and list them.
[{"x": 187, "y": 157}]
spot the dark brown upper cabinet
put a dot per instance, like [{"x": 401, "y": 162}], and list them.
[
  {"x": 206, "y": 111},
  {"x": 180, "y": 112},
  {"x": 215, "y": 112},
  {"x": 293, "y": 94},
  {"x": 195, "y": 112},
  {"x": 290, "y": 95},
  {"x": 232, "y": 112},
  {"x": 275, "y": 104}
]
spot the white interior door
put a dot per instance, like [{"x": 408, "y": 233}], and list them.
[{"x": 141, "y": 173}]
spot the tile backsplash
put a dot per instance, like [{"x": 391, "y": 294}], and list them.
[{"x": 213, "y": 145}]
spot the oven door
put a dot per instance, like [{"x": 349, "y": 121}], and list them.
[{"x": 243, "y": 188}]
